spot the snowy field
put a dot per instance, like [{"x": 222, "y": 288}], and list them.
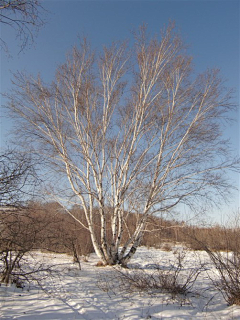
[{"x": 96, "y": 292}]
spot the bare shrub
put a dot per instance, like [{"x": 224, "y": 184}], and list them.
[
  {"x": 173, "y": 279},
  {"x": 228, "y": 280},
  {"x": 19, "y": 228},
  {"x": 228, "y": 267},
  {"x": 224, "y": 252},
  {"x": 30, "y": 272},
  {"x": 20, "y": 232}
]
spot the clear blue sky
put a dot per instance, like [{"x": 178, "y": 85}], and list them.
[{"x": 210, "y": 28}]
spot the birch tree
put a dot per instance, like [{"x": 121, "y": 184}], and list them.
[{"x": 133, "y": 130}]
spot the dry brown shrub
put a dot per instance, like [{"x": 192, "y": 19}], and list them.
[{"x": 173, "y": 279}]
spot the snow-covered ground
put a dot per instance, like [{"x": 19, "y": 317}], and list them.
[{"x": 96, "y": 292}]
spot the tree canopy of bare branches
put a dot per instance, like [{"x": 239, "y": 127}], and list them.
[
  {"x": 17, "y": 178},
  {"x": 23, "y": 16},
  {"x": 133, "y": 131}
]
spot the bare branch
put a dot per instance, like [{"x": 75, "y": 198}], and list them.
[{"x": 22, "y": 16}]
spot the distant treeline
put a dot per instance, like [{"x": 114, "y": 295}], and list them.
[{"x": 47, "y": 226}]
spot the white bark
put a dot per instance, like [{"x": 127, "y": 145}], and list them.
[{"x": 125, "y": 150}]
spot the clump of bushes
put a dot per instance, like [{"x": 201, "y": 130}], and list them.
[
  {"x": 173, "y": 279},
  {"x": 224, "y": 253},
  {"x": 228, "y": 280},
  {"x": 36, "y": 226}
]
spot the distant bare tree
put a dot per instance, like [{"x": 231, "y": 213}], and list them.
[
  {"x": 132, "y": 131},
  {"x": 23, "y": 16}
]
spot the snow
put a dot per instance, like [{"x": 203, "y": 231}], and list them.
[{"x": 96, "y": 293}]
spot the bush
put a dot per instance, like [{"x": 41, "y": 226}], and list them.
[
  {"x": 20, "y": 232},
  {"x": 173, "y": 279},
  {"x": 224, "y": 252},
  {"x": 228, "y": 282}
]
